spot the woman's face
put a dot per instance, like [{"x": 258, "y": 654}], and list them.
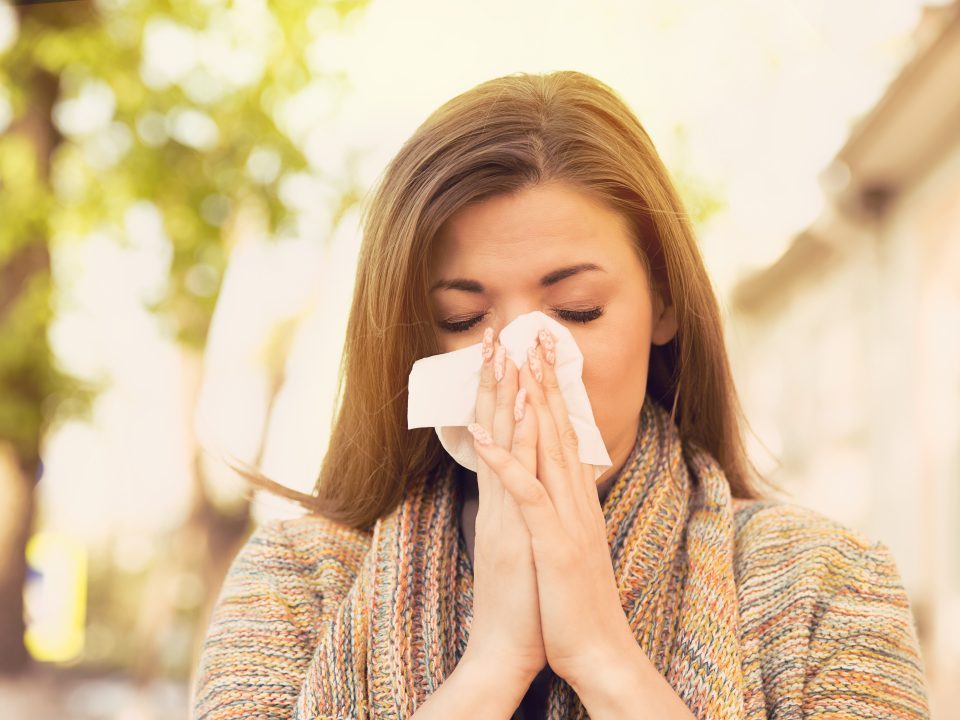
[{"x": 505, "y": 254}]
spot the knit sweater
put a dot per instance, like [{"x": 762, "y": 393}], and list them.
[{"x": 824, "y": 618}]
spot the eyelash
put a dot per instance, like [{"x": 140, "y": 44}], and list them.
[{"x": 579, "y": 316}]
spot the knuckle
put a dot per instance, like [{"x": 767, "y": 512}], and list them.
[
  {"x": 556, "y": 454},
  {"x": 504, "y": 399},
  {"x": 531, "y": 493},
  {"x": 550, "y": 383},
  {"x": 487, "y": 382},
  {"x": 523, "y": 439},
  {"x": 492, "y": 464},
  {"x": 569, "y": 437},
  {"x": 538, "y": 400},
  {"x": 525, "y": 451}
]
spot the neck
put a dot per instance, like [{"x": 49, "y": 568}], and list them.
[
  {"x": 605, "y": 483},
  {"x": 603, "y": 487}
]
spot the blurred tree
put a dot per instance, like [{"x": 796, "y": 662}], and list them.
[
  {"x": 197, "y": 108},
  {"x": 32, "y": 388}
]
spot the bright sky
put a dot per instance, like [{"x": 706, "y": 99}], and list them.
[
  {"x": 764, "y": 89},
  {"x": 765, "y": 92}
]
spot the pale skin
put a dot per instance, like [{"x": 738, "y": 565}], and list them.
[{"x": 534, "y": 508}]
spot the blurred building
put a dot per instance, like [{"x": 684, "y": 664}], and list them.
[{"x": 847, "y": 348}]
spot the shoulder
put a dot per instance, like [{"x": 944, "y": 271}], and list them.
[
  {"x": 284, "y": 583},
  {"x": 780, "y": 516},
  {"x": 315, "y": 541},
  {"x": 314, "y": 538},
  {"x": 767, "y": 530},
  {"x": 295, "y": 559},
  {"x": 823, "y": 607},
  {"x": 794, "y": 562},
  {"x": 782, "y": 537}
]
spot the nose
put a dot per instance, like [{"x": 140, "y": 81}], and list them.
[{"x": 512, "y": 311}]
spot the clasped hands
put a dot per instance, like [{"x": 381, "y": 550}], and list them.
[{"x": 535, "y": 460}]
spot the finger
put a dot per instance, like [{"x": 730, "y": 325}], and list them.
[
  {"x": 546, "y": 532},
  {"x": 490, "y": 489},
  {"x": 506, "y": 395},
  {"x": 504, "y": 428},
  {"x": 554, "y": 466},
  {"x": 525, "y": 433},
  {"x": 561, "y": 417}
]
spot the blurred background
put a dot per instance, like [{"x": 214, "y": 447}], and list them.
[{"x": 180, "y": 187}]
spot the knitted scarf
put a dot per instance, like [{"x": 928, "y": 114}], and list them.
[{"x": 404, "y": 623}]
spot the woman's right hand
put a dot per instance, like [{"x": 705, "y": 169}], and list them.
[{"x": 505, "y": 631}]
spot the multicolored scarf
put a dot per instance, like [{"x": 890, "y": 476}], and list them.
[{"x": 404, "y": 623}]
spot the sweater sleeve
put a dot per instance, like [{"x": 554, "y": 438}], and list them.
[
  {"x": 864, "y": 659},
  {"x": 261, "y": 633}
]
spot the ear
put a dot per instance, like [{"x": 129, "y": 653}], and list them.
[{"x": 664, "y": 322}]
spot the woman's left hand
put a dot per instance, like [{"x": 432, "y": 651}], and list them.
[{"x": 582, "y": 620}]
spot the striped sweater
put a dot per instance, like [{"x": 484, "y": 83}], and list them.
[{"x": 825, "y": 621}]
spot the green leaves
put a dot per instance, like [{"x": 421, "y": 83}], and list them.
[{"x": 100, "y": 122}]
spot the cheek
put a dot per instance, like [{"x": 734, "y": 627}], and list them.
[
  {"x": 615, "y": 370},
  {"x": 448, "y": 342}
]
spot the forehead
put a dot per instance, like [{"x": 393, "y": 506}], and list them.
[{"x": 537, "y": 224}]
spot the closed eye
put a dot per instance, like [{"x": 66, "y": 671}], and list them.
[{"x": 578, "y": 316}]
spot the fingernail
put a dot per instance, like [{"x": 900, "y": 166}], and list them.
[
  {"x": 498, "y": 361},
  {"x": 487, "y": 348},
  {"x": 518, "y": 406},
  {"x": 546, "y": 338},
  {"x": 534, "y": 362},
  {"x": 481, "y": 435}
]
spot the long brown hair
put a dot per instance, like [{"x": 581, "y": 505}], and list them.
[{"x": 502, "y": 136}]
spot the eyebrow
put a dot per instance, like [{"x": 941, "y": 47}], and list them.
[{"x": 551, "y": 278}]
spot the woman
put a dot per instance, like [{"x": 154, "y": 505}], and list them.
[{"x": 667, "y": 587}]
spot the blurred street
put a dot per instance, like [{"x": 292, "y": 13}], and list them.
[{"x": 51, "y": 694}]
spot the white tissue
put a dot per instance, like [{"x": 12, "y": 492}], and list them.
[{"x": 442, "y": 390}]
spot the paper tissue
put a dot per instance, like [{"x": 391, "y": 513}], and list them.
[{"x": 442, "y": 390}]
